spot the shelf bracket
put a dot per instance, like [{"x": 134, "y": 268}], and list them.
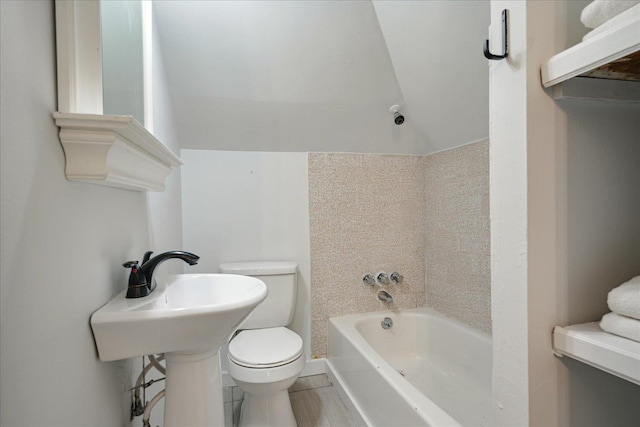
[{"x": 505, "y": 44}]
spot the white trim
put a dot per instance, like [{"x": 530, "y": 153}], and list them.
[
  {"x": 79, "y": 56},
  {"x": 314, "y": 367},
  {"x": 591, "y": 345},
  {"x": 147, "y": 62},
  {"x": 592, "y": 53},
  {"x": 113, "y": 150},
  {"x": 109, "y": 150}
]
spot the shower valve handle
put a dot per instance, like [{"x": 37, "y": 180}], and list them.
[
  {"x": 396, "y": 278},
  {"x": 382, "y": 278},
  {"x": 368, "y": 280}
]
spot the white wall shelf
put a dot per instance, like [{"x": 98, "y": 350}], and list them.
[
  {"x": 113, "y": 150},
  {"x": 591, "y": 345},
  {"x": 613, "y": 54}
]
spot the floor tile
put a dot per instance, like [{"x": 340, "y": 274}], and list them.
[
  {"x": 310, "y": 382},
  {"x": 315, "y": 403},
  {"x": 320, "y": 407},
  {"x": 228, "y": 414}
]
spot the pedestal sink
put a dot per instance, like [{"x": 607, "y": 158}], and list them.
[{"x": 188, "y": 318}]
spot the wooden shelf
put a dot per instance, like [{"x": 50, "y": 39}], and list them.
[
  {"x": 613, "y": 54},
  {"x": 591, "y": 345}
]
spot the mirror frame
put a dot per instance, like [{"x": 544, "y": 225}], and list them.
[
  {"x": 110, "y": 150},
  {"x": 79, "y": 55}
]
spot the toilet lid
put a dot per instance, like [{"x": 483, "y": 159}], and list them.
[{"x": 265, "y": 348}]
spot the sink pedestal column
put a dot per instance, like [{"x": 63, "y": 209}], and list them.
[{"x": 193, "y": 392}]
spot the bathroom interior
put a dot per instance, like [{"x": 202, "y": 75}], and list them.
[{"x": 507, "y": 206}]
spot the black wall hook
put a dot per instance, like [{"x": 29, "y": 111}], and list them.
[{"x": 505, "y": 47}]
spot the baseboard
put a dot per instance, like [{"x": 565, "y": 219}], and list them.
[{"x": 314, "y": 367}]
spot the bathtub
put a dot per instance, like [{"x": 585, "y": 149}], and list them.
[{"x": 426, "y": 370}]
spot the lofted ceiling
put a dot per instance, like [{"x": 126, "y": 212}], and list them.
[{"x": 321, "y": 75}]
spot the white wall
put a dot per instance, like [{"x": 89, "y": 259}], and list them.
[
  {"x": 63, "y": 244},
  {"x": 164, "y": 210},
  {"x": 436, "y": 50},
  {"x": 249, "y": 206},
  {"x": 62, "y": 247},
  {"x": 603, "y": 247},
  {"x": 282, "y": 76},
  {"x": 508, "y": 213},
  {"x": 564, "y": 226},
  {"x": 603, "y": 204},
  {"x": 318, "y": 76}
]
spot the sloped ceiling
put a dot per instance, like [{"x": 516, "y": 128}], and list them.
[
  {"x": 436, "y": 50},
  {"x": 321, "y": 75}
]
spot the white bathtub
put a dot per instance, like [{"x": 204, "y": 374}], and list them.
[{"x": 426, "y": 370}]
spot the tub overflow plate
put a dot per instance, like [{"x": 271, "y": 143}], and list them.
[{"x": 387, "y": 323}]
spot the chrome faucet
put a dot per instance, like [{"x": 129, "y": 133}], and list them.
[
  {"x": 385, "y": 297},
  {"x": 140, "y": 279}
]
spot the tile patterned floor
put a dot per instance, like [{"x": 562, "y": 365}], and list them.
[{"x": 315, "y": 404}]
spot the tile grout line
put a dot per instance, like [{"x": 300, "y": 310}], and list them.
[{"x": 312, "y": 388}]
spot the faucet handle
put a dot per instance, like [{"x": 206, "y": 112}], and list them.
[
  {"x": 396, "y": 277},
  {"x": 137, "y": 281},
  {"x": 369, "y": 280},
  {"x": 382, "y": 278}
]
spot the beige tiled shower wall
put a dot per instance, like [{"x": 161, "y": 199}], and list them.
[
  {"x": 458, "y": 234},
  {"x": 366, "y": 215},
  {"x": 371, "y": 213}
]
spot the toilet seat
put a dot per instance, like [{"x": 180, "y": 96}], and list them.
[{"x": 265, "y": 348}]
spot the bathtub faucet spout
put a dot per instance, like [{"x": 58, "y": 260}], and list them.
[{"x": 385, "y": 297}]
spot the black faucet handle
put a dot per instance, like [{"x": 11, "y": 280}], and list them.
[
  {"x": 130, "y": 264},
  {"x": 136, "y": 277},
  {"x": 137, "y": 281}
]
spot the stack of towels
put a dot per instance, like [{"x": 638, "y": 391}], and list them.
[
  {"x": 624, "y": 302},
  {"x": 602, "y": 15}
]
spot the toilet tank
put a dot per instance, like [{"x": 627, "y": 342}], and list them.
[{"x": 281, "y": 278}]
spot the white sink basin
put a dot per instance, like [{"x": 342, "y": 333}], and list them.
[
  {"x": 188, "y": 318},
  {"x": 186, "y": 313}
]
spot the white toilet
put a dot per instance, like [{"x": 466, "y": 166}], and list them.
[{"x": 265, "y": 358}]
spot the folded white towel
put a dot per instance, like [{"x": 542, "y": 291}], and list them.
[
  {"x": 628, "y": 17},
  {"x": 625, "y": 299},
  {"x": 621, "y": 325},
  {"x": 600, "y": 11}
]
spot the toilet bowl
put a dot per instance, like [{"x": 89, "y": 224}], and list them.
[
  {"x": 265, "y": 363},
  {"x": 265, "y": 358}
]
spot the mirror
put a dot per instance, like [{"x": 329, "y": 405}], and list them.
[
  {"x": 122, "y": 58},
  {"x": 104, "y": 58},
  {"x": 117, "y": 148}
]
